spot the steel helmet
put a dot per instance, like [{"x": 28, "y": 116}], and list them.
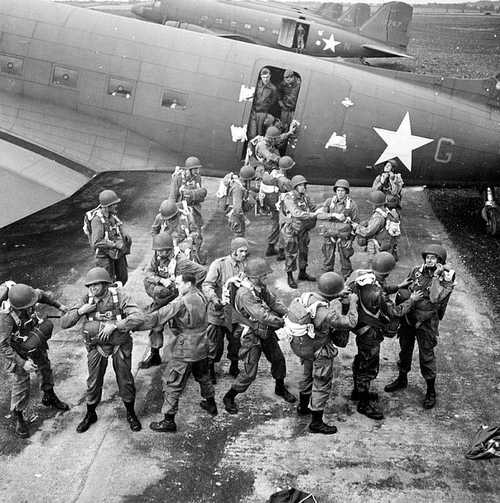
[
  {"x": 256, "y": 267},
  {"x": 22, "y": 296},
  {"x": 272, "y": 132},
  {"x": 286, "y": 162},
  {"x": 297, "y": 180},
  {"x": 237, "y": 243},
  {"x": 343, "y": 184},
  {"x": 269, "y": 120},
  {"x": 383, "y": 263},
  {"x": 108, "y": 198},
  {"x": 376, "y": 197},
  {"x": 97, "y": 275},
  {"x": 370, "y": 297},
  {"x": 437, "y": 250},
  {"x": 330, "y": 284},
  {"x": 168, "y": 209},
  {"x": 247, "y": 173},
  {"x": 192, "y": 163},
  {"x": 163, "y": 241}
]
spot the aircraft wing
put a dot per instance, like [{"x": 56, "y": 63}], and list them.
[
  {"x": 50, "y": 152},
  {"x": 385, "y": 49}
]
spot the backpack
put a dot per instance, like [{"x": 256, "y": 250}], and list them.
[{"x": 87, "y": 223}]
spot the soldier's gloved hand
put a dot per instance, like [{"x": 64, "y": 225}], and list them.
[
  {"x": 86, "y": 308},
  {"x": 353, "y": 298},
  {"x": 416, "y": 296},
  {"x": 106, "y": 331},
  {"x": 439, "y": 270},
  {"x": 166, "y": 282},
  {"x": 29, "y": 366}
]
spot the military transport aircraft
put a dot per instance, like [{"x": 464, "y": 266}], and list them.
[
  {"x": 82, "y": 92},
  {"x": 293, "y": 29}
]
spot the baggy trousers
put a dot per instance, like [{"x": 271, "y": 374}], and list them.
[
  {"x": 20, "y": 394},
  {"x": 345, "y": 253},
  {"x": 426, "y": 336},
  {"x": 97, "y": 365},
  {"x": 365, "y": 365},
  {"x": 117, "y": 268},
  {"x": 296, "y": 249},
  {"x": 175, "y": 380},
  {"x": 317, "y": 379},
  {"x": 251, "y": 349},
  {"x": 216, "y": 334}
]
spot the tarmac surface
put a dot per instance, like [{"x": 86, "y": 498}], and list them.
[{"x": 412, "y": 455}]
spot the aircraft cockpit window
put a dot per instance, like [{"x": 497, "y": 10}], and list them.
[
  {"x": 64, "y": 77},
  {"x": 174, "y": 100},
  {"x": 10, "y": 65},
  {"x": 120, "y": 88}
]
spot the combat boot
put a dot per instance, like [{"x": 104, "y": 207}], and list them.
[
  {"x": 89, "y": 419},
  {"x": 356, "y": 395},
  {"x": 210, "y": 406},
  {"x": 233, "y": 368},
  {"x": 430, "y": 396},
  {"x": 291, "y": 280},
  {"x": 135, "y": 424},
  {"x": 400, "y": 382},
  {"x": 303, "y": 276},
  {"x": 369, "y": 408},
  {"x": 281, "y": 255},
  {"x": 22, "y": 430},
  {"x": 50, "y": 400},
  {"x": 280, "y": 390},
  {"x": 152, "y": 360},
  {"x": 318, "y": 426},
  {"x": 271, "y": 250},
  {"x": 303, "y": 407},
  {"x": 166, "y": 424},
  {"x": 229, "y": 403},
  {"x": 211, "y": 371}
]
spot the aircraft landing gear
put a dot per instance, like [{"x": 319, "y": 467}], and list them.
[
  {"x": 364, "y": 62},
  {"x": 491, "y": 213}
]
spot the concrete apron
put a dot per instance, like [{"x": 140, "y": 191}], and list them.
[{"x": 412, "y": 455}]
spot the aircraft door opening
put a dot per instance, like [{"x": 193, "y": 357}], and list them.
[
  {"x": 274, "y": 104},
  {"x": 293, "y": 34}
]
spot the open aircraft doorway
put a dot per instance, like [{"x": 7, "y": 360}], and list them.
[
  {"x": 293, "y": 34},
  {"x": 274, "y": 104}
]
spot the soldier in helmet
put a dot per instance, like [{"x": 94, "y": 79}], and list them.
[
  {"x": 337, "y": 214},
  {"x": 374, "y": 232},
  {"x": 188, "y": 350},
  {"x": 240, "y": 200},
  {"x": 177, "y": 223},
  {"x": 220, "y": 323},
  {"x": 266, "y": 149},
  {"x": 390, "y": 183},
  {"x": 23, "y": 345},
  {"x": 288, "y": 94},
  {"x": 159, "y": 283},
  {"x": 376, "y": 313},
  {"x": 265, "y": 98},
  {"x": 109, "y": 315},
  {"x": 262, "y": 313},
  {"x": 435, "y": 281},
  {"x": 273, "y": 186},
  {"x": 186, "y": 189},
  {"x": 109, "y": 240},
  {"x": 299, "y": 218},
  {"x": 322, "y": 311}
]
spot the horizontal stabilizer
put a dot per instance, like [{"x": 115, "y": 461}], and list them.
[
  {"x": 390, "y": 24},
  {"x": 390, "y": 51}
]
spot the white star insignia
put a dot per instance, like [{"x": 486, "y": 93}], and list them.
[
  {"x": 330, "y": 43},
  {"x": 400, "y": 143}
]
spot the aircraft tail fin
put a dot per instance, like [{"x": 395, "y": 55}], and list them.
[
  {"x": 390, "y": 24},
  {"x": 356, "y": 16}
]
